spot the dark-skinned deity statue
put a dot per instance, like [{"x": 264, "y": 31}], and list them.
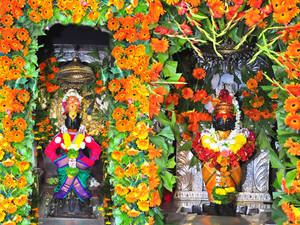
[{"x": 74, "y": 152}]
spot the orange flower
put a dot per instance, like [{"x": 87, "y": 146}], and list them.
[
  {"x": 254, "y": 3},
  {"x": 117, "y": 52},
  {"x": 293, "y": 89},
  {"x": 153, "y": 183},
  {"x": 259, "y": 76},
  {"x": 143, "y": 205},
  {"x": 293, "y": 121},
  {"x": 186, "y": 136},
  {"x": 133, "y": 213},
  {"x": 294, "y": 48},
  {"x": 21, "y": 124},
  {"x": 143, "y": 144},
  {"x": 2, "y": 216},
  {"x": 217, "y": 7},
  {"x": 132, "y": 35},
  {"x": 154, "y": 152},
  {"x": 7, "y": 123},
  {"x": 18, "y": 135},
  {"x": 199, "y": 73},
  {"x": 9, "y": 223},
  {"x": 121, "y": 190},
  {"x": 254, "y": 114},
  {"x": 119, "y": 172},
  {"x": 132, "y": 170},
  {"x": 23, "y": 166},
  {"x": 251, "y": 84},
  {"x": 155, "y": 11},
  {"x": 194, "y": 3},
  {"x": 159, "y": 46},
  {"x": 9, "y": 181},
  {"x": 200, "y": 95},
  {"x": 118, "y": 113},
  {"x": 22, "y": 182},
  {"x": 187, "y": 93},
  {"x": 122, "y": 125},
  {"x": 19, "y": 62},
  {"x": 8, "y": 162},
  {"x": 266, "y": 114},
  {"x": 155, "y": 199},
  {"x": 117, "y": 155},
  {"x": 21, "y": 200},
  {"x": 144, "y": 34},
  {"x": 252, "y": 17},
  {"x": 93, "y": 15},
  {"x": 18, "y": 218},
  {"x": 132, "y": 151},
  {"x": 124, "y": 208},
  {"x": 257, "y": 101},
  {"x": 179, "y": 86},
  {"x": 7, "y": 20},
  {"x": 293, "y": 147},
  {"x": 292, "y": 104},
  {"x": 114, "y": 86}
]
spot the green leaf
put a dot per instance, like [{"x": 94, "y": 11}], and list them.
[
  {"x": 279, "y": 176},
  {"x": 275, "y": 161},
  {"x": 171, "y": 163},
  {"x": 163, "y": 119},
  {"x": 186, "y": 146},
  {"x": 159, "y": 142},
  {"x": 278, "y": 215},
  {"x": 162, "y": 57},
  {"x": 290, "y": 177},
  {"x": 167, "y": 132},
  {"x": 170, "y": 68},
  {"x": 168, "y": 180}
]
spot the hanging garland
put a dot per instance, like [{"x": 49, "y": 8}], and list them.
[{"x": 137, "y": 165}]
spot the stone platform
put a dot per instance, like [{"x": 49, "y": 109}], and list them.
[{"x": 69, "y": 221}]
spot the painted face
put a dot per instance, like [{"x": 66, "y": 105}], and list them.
[{"x": 73, "y": 104}]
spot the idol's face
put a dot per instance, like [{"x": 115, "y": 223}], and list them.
[
  {"x": 73, "y": 104},
  {"x": 223, "y": 124}
]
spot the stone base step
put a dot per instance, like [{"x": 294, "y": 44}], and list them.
[{"x": 69, "y": 221}]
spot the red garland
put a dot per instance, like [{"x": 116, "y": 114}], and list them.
[{"x": 208, "y": 155}]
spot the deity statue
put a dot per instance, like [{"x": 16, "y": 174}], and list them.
[
  {"x": 69, "y": 151},
  {"x": 220, "y": 149}
]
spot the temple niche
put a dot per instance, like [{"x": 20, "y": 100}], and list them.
[
  {"x": 254, "y": 194},
  {"x": 74, "y": 52}
]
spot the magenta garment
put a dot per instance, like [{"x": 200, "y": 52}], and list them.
[{"x": 50, "y": 150}]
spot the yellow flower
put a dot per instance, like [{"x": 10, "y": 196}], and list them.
[
  {"x": 220, "y": 191},
  {"x": 2, "y": 216},
  {"x": 235, "y": 147},
  {"x": 206, "y": 141},
  {"x": 218, "y": 202},
  {"x": 79, "y": 140},
  {"x": 219, "y": 159},
  {"x": 230, "y": 189},
  {"x": 240, "y": 139},
  {"x": 143, "y": 206},
  {"x": 67, "y": 140}
]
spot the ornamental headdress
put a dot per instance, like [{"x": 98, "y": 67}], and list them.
[{"x": 70, "y": 93}]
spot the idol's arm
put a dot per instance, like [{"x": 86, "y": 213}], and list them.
[
  {"x": 95, "y": 151},
  {"x": 50, "y": 150}
]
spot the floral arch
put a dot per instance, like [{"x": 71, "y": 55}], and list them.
[{"x": 146, "y": 34}]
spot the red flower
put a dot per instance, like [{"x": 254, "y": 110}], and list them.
[{"x": 186, "y": 29}]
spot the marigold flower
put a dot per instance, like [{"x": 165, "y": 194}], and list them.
[
  {"x": 251, "y": 84},
  {"x": 119, "y": 172},
  {"x": 293, "y": 49},
  {"x": 114, "y": 86},
  {"x": 132, "y": 170},
  {"x": 9, "y": 181},
  {"x": 118, "y": 113},
  {"x": 293, "y": 147},
  {"x": 266, "y": 114},
  {"x": 117, "y": 155},
  {"x": 292, "y": 104},
  {"x": 21, "y": 124},
  {"x": 155, "y": 11},
  {"x": 187, "y": 93},
  {"x": 21, "y": 200},
  {"x": 7, "y": 20},
  {"x": 132, "y": 151},
  {"x": 252, "y": 17},
  {"x": 121, "y": 190},
  {"x": 293, "y": 121},
  {"x": 154, "y": 152},
  {"x": 2, "y": 216},
  {"x": 199, "y": 73},
  {"x": 125, "y": 208},
  {"x": 217, "y": 7},
  {"x": 22, "y": 182},
  {"x": 293, "y": 89},
  {"x": 133, "y": 213},
  {"x": 23, "y": 166},
  {"x": 159, "y": 46},
  {"x": 155, "y": 199},
  {"x": 153, "y": 183},
  {"x": 254, "y": 3},
  {"x": 143, "y": 144}
]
